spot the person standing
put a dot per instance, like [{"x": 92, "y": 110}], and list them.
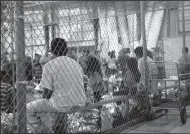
[
  {"x": 37, "y": 68},
  {"x": 28, "y": 63},
  {"x": 141, "y": 66},
  {"x": 111, "y": 63},
  {"x": 184, "y": 61},
  {"x": 83, "y": 59}
]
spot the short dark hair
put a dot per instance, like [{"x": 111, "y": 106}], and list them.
[
  {"x": 59, "y": 47},
  {"x": 186, "y": 49},
  {"x": 87, "y": 51},
  {"x": 139, "y": 51},
  {"x": 93, "y": 65}
]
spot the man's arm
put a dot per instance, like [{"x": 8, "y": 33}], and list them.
[{"x": 47, "y": 82}]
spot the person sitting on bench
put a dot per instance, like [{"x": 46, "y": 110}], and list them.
[{"x": 62, "y": 81}]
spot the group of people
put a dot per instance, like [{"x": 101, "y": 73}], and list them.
[{"x": 62, "y": 78}]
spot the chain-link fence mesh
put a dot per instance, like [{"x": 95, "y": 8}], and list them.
[{"x": 46, "y": 91}]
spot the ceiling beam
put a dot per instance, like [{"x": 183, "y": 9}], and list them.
[{"x": 131, "y": 5}]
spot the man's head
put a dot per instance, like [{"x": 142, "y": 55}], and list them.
[
  {"x": 127, "y": 50},
  {"x": 59, "y": 47},
  {"x": 37, "y": 56},
  {"x": 139, "y": 52},
  {"x": 94, "y": 71},
  {"x": 111, "y": 54},
  {"x": 185, "y": 50},
  {"x": 93, "y": 65},
  {"x": 73, "y": 52},
  {"x": 28, "y": 59},
  {"x": 85, "y": 52},
  {"x": 124, "y": 51}
]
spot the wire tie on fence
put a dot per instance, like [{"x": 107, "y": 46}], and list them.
[
  {"x": 47, "y": 24},
  {"x": 22, "y": 82},
  {"x": 20, "y": 17},
  {"x": 50, "y": 24}
]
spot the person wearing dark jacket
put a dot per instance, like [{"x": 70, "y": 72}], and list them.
[{"x": 28, "y": 64}]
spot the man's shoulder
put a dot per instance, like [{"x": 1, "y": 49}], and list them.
[
  {"x": 63, "y": 61},
  {"x": 60, "y": 59}
]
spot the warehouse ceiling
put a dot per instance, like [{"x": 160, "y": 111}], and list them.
[{"x": 130, "y": 5}]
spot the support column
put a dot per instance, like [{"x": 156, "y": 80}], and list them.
[
  {"x": 96, "y": 26},
  {"x": 183, "y": 26},
  {"x": 20, "y": 69},
  {"x": 143, "y": 36},
  {"x": 53, "y": 21},
  {"x": 46, "y": 28}
]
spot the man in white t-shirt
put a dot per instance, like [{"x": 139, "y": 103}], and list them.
[
  {"x": 152, "y": 68},
  {"x": 114, "y": 80},
  {"x": 111, "y": 60},
  {"x": 62, "y": 81},
  {"x": 184, "y": 61}
]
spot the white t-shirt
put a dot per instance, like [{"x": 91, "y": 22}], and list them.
[
  {"x": 64, "y": 76},
  {"x": 113, "y": 79},
  {"x": 111, "y": 63},
  {"x": 152, "y": 69}
]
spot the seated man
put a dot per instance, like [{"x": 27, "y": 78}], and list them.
[
  {"x": 184, "y": 61},
  {"x": 62, "y": 81}
]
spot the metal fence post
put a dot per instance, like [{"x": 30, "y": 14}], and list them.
[
  {"x": 13, "y": 59},
  {"x": 20, "y": 68},
  {"x": 143, "y": 36},
  {"x": 183, "y": 24},
  {"x": 183, "y": 28},
  {"x": 53, "y": 21},
  {"x": 46, "y": 28},
  {"x": 96, "y": 26}
]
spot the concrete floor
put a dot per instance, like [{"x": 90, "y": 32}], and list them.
[{"x": 169, "y": 123}]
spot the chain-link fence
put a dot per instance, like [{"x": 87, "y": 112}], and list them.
[{"x": 69, "y": 66}]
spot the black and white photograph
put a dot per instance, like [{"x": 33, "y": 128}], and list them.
[{"x": 95, "y": 67}]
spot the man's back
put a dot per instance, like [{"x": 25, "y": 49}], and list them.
[
  {"x": 184, "y": 63},
  {"x": 64, "y": 76}
]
